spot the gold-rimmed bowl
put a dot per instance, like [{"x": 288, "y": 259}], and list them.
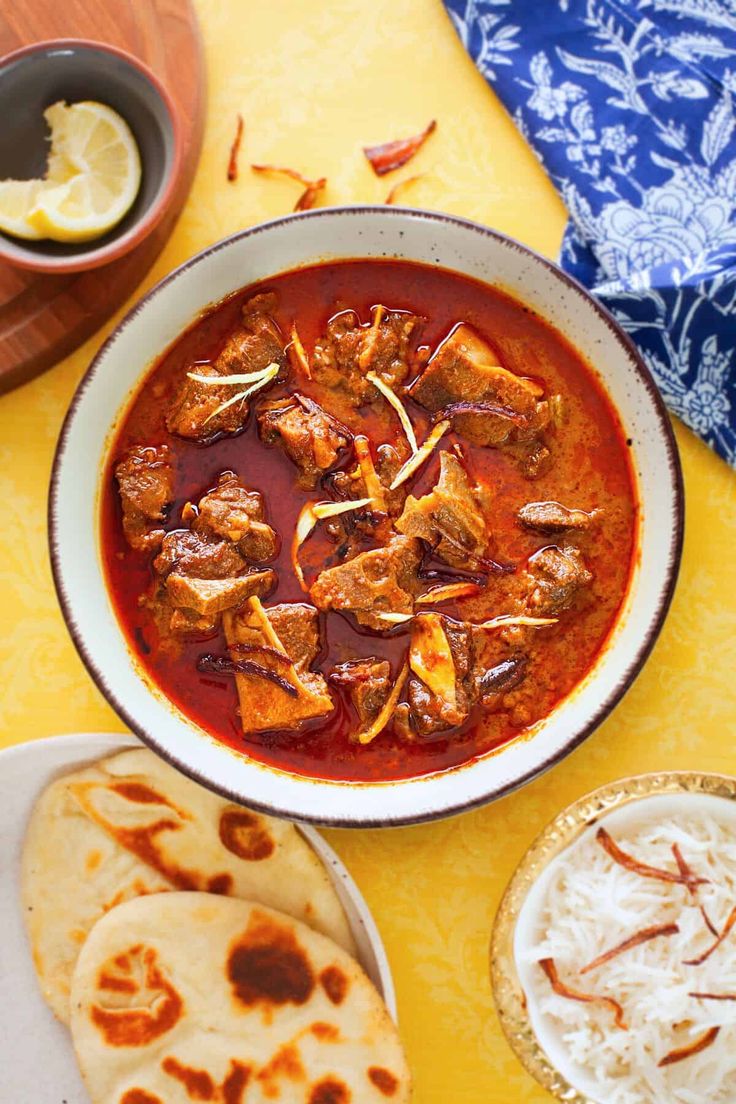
[{"x": 516, "y": 1012}]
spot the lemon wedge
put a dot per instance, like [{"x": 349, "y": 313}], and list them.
[
  {"x": 17, "y": 199},
  {"x": 93, "y": 177}
]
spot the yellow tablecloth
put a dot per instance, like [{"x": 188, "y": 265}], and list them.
[{"x": 315, "y": 82}]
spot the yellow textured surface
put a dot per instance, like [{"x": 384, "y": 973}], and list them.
[{"x": 314, "y": 83}]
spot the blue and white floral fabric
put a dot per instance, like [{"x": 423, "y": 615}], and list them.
[{"x": 631, "y": 107}]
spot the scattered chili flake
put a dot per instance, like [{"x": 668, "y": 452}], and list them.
[
  {"x": 635, "y": 940},
  {"x": 392, "y": 155},
  {"x": 701, "y": 1043},
  {"x": 564, "y": 990},
  {"x": 397, "y": 189},
  {"x": 714, "y": 946},
  {"x": 312, "y": 188},
  {"x": 611, "y": 847},
  {"x": 223, "y": 665},
  {"x": 232, "y": 165}
]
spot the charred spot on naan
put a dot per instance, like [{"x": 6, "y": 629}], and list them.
[
  {"x": 335, "y": 983},
  {"x": 326, "y": 1033},
  {"x": 268, "y": 966},
  {"x": 134, "y": 1016},
  {"x": 286, "y": 1065},
  {"x": 245, "y": 834},
  {"x": 235, "y": 1084},
  {"x": 93, "y": 860},
  {"x": 383, "y": 1079},
  {"x": 142, "y": 839},
  {"x": 200, "y": 1085},
  {"x": 329, "y": 1091},
  {"x": 138, "y": 889},
  {"x": 142, "y": 794},
  {"x": 139, "y": 1096}
]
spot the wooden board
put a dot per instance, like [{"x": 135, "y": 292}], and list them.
[{"x": 44, "y": 317}]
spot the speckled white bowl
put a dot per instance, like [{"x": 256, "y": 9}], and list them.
[{"x": 257, "y": 254}]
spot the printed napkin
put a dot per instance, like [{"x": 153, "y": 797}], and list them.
[{"x": 631, "y": 107}]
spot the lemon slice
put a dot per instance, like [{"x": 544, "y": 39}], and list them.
[
  {"x": 17, "y": 199},
  {"x": 93, "y": 176}
]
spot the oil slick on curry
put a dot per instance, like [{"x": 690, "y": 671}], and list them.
[{"x": 369, "y": 520}]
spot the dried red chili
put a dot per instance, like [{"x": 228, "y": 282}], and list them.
[
  {"x": 563, "y": 990},
  {"x": 312, "y": 188},
  {"x": 232, "y": 165},
  {"x": 635, "y": 940},
  {"x": 714, "y": 946},
  {"x": 629, "y": 863},
  {"x": 701, "y": 1043},
  {"x": 223, "y": 665},
  {"x": 392, "y": 155}
]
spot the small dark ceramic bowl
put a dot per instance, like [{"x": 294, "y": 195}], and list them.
[{"x": 33, "y": 78}]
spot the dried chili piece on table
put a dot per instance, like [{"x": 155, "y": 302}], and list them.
[
  {"x": 388, "y": 156},
  {"x": 312, "y": 188},
  {"x": 232, "y": 165}
]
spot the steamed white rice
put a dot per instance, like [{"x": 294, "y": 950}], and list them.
[{"x": 589, "y": 905}]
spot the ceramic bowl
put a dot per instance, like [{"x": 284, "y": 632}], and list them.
[
  {"x": 73, "y": 69},
  {"x": 255, "y": 255},
  {"x": 627, "y": 803}
]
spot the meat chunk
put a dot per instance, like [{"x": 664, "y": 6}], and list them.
[
  {"x": 551, "y": 518},
  {"x": 441, "y": 689},
  {"x": 348, "y": 351},
  {"x": 234, "y": 513},
  {"x": 297, "y": 626},
  {"x": 252, "y": 347},
  {"x": 210, "y": 597},
  {"x": 501, "y": 678},
  {"x": 289, "y": 693},
  {"x": 192, "y": 555},
  {"x": 465, "y": 370},
  {"x": 145, "y": 479},
  {"x": 309, "y": 436},
  {"x": 379, "y": 581},
  {"x": 449, "y": 517},
  {"x": 368, "y": 684},
  {"x": 373, "y": 479},
  {"x": 557, "y": 575}
]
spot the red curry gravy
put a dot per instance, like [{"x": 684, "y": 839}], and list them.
[{"x": 591, "y": 470}]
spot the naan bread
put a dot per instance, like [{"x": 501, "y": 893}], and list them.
[
  {"x": 185, "y": 997},
  {"x": 132, "y": 825}
]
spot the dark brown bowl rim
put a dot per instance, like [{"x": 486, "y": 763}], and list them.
[
  {"x": 606, "y": 706},
  {"x": 141, "y": 228}
]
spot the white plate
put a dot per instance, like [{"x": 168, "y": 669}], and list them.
[{"x": 38, "y": 1064}]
